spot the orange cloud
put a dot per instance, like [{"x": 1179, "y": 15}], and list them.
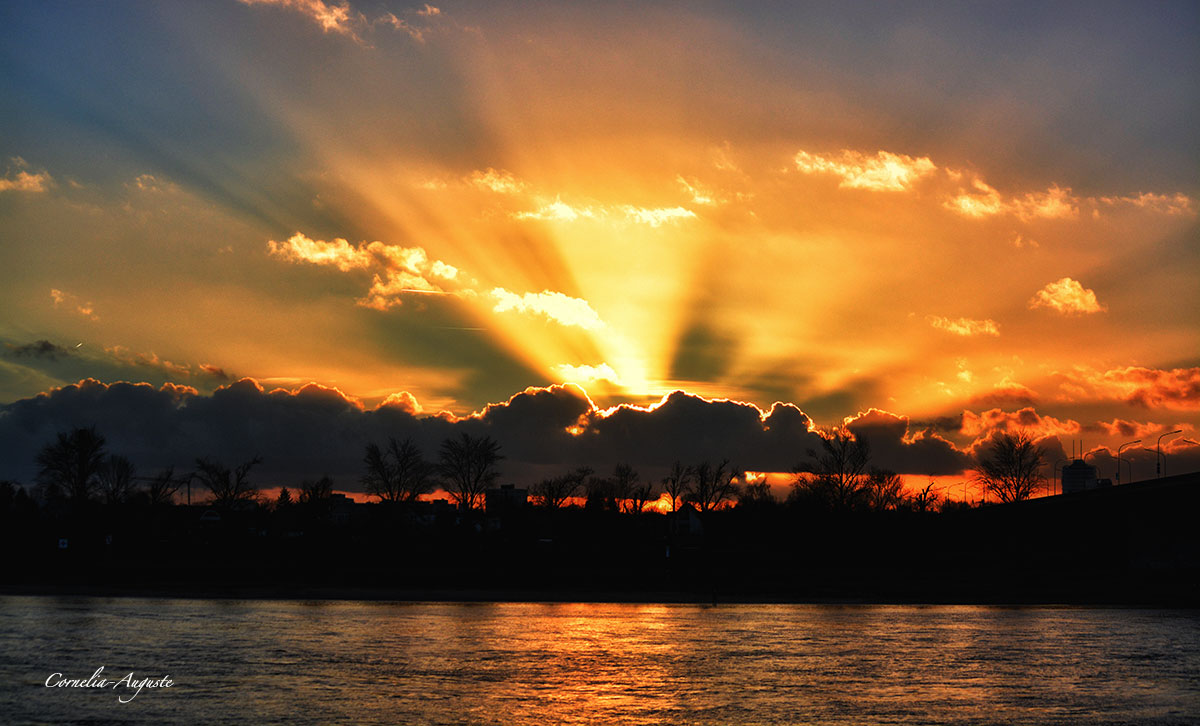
[
  {"x": 23, "y": 181},
  {"x": 1173, "y": 204},
  {"x": 1068, "y": 297},
  {"x": 964, "y": 326},
  {"x": 884, "y": 171},
  {"x": 501, "y": 182},
  {"x": 1054, "y": 203},
  {"x": 404, "y": 401},
  {"x": 1178, "y": 388},
  {"x": 331, "y": 18},
  {"x": 339, "y": 253},
  {"x": 983, "y": 425},
  {"x": 983, "y": 200},
  {"x": 86, "y": 309}
]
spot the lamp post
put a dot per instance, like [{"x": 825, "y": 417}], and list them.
[
  {"x": 1159, "y": 463},
  {"x": 1119, "y": 448}
]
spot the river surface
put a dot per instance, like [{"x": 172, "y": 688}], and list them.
[{"x": 265, "y": 661}]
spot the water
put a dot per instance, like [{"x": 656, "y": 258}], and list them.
[{"x": 520, "y": 663}]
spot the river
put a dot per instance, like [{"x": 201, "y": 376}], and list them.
[{"x": 316, "y": 662}]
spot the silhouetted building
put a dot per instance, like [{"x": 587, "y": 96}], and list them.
[
  {"x": 1078, "y": 476},
  {"x": 342, "y": 509},
  {"x": 505, "y": 499}
]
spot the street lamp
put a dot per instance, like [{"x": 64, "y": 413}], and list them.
[
  {"x": 1158, "y": 460},
  {"x": 1119, "y": 448}
]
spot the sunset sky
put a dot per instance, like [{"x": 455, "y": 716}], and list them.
[{"x": 966, "y": 216}]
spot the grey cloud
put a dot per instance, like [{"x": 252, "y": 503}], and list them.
[{"x": 316, "y": 430}]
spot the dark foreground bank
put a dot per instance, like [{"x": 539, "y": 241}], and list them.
[{"x": 1130, "y": 545}]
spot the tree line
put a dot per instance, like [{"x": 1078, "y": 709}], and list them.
[{"x": 76, "y": 467}]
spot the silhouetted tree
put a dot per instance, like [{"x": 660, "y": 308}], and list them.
[
  {"x": 468, "y": 468},
  {"x": 1013, "y": 468},
  {"x": 756, "y": 494},
  {"x": 711, "y": 486},
  {"x": 284, "y": 500},
  {"x": 925, "y": 500},
  {"x": 838, "y": 473},
  {"x": 316, "y": 492},
  {"x": 601, "y": 494},
  {"x": 161, "y": 489},
  {"x": 641, "y": 494},
  {"x": 398, "y": 474},
  {"x": 228, "y": 487},
  {"x": 115, "y": 479},
  {"x": 68, "y": 467},
  {"x": 553, "y": 493},
  {"x": 624, "y": 484},
  {"x": 884, "y": 489},
  {"x": 675, "y": 484}
]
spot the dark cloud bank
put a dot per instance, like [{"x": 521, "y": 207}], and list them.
[{"x": 315, "y": 430}]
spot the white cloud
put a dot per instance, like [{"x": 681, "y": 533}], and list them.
[
  {"x": 586, "y": 374},
  {"x": 556, "y": 306},
  {"x": 557, "y": 211},
  {"x": 399, "y": 271}
]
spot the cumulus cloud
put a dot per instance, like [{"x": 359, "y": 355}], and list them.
[
  {"x": 313, "y": 429},
  {"x": 560, "y": 308},
  {"x": 895, "y": 447},
  {"x": 883, "y": 171},
  {"x": 1068, "y": 297},
  {"x": 964, "y": 326},
  {"x": 1177, "y": 388}
]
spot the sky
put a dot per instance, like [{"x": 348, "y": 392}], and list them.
[{"x": 599, "y": 232}]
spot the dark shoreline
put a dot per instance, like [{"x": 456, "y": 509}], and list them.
[{"x": 232, "y": 591}]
